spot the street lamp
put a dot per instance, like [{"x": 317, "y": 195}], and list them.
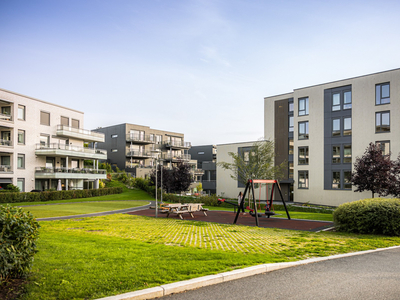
[{"x": 156, "y": 152}]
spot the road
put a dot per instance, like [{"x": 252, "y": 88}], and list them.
[{"x": 369, "y": 276}]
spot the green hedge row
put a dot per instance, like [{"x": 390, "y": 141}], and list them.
[
  {"x": 57, "y": 195},
  {"x": 372, "y": 216}
]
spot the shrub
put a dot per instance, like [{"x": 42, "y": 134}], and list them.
[
  {"x": 18, "y": 242},
  {"x": 375, "y": 215}
]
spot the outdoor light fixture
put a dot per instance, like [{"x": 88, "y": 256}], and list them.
[{"x": 156, "y": 152}]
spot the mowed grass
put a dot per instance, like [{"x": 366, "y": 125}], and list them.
[
  {"x": 70, "y": 209},
  {"x": 95, "y": 257}
]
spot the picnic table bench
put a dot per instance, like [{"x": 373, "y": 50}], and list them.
[{"x": 180, "y": 209}]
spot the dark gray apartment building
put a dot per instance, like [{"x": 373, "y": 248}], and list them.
[{"x": 206, "y": 157}]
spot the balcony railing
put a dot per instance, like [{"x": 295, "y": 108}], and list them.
[
  {"x": 71, "y": 131},
  {"x": 5, "y": 168},
  {"x": 140, "y": 138},
  {"x": 134, "y": 153},
  {"x": 66, "y": 147},
  {"x": 5, "y": 142},
  {"x": 5, "y": 117},
  {"x": 177, "y": 144},
  {"x": 184, "y": 157},
  {"x": 137, "y": 166},
  {"x": 71, "y": 170},
  {"x": 198, "y": 171}
]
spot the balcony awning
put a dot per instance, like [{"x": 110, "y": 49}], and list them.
[{"x": 5, "y": 180}]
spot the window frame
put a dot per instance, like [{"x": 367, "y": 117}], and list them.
[
  {"x": 380, "y": 143},
  {"x": 351, "y": 154},
  {"x": 338, "y": 132},
  {"x": 22, "y": 156},
  {"x": 23, "y": 108},
  {"x": 306, "y": 135},
  {"x": 379, "y": 94},
  {"x": 305, "y": 160},
  {"x": 380, "y": 120},
  {"x": 301, "y": 185},
  {"x": 340, "y": 155},
  {"x": 43, "y": 118},
  {"x": 305, "y": 110},
  {"x": 333, "y": 180},
  {"x": 23, "y": 132}
]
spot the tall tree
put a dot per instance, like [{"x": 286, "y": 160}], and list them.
[
  {"x": 175, "y": 179},
  {"x": 258, "y": 163},
  {"x": 374, "y": 172}
]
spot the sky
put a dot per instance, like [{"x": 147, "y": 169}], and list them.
[{"x": 201, "y": 68}]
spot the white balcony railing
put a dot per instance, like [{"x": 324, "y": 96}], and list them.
[
  {"x": 64, "y": 130},
  {"x": 5, "y": 168},
  {"x": 5, "y": 142},
  {"x": 73, "y": 148},
  {"x": 71, "y": 170},
  {"x": 177, "y": 144}
]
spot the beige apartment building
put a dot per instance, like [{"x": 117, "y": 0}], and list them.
[
  {"x": 320, "y": 130},
  {"x": 42, "y": 146}
]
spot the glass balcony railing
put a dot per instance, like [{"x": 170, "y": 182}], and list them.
[
  {"x": 172, "y": 157},
  {"x": 69, "y": 170},
  {"x": 68, "y": 130},
  {"x": 177, "y": 144},
  {"x": 140, "y": 138},
  {"x": 73, "y": 148},
  {"x": 135, "y": 153},
  {"x": 5, "y": 168},
  {"x": 5, "y": 142}
]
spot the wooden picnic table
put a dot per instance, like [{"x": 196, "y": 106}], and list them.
[{"x": 180, "y": 209}]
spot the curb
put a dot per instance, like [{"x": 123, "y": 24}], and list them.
[{"x": 191, "y": 284}]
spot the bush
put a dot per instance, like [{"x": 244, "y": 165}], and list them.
[
  {"x": 375, "y": 215},
  {"x": 18, "y": 242}
]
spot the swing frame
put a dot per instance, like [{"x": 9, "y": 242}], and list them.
[{"x": 250, "y": 187}]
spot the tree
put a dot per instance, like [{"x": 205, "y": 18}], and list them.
[
  {"x": 175, "y": 179},
  {"x": 374, "y": 172},
  {"x": 257, "y": 163}
]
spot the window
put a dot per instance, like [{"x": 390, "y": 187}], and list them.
[
  {"x": 303, "y": 106},
  {"x": 114, "y": 150},
  {"x": 291, "y": 124},
  {"x": 291, "y": 170},
  {"x": 21, "y": 184},
  {"x": 74, "y": 123},
  {"x": 382, "y": 93},
  {"x": 44, "y": 118},
  {"x": 303, "y": 130},
  {"x": 347, "y": 100},
  {"x": 21, "y": 161},
  {"x": 347, "y": 180},
  {"x": 303, "y": 155},
  {"x": 159, "y": 139},
  {"x": 21, "y": 136},
  {"x": 152, "y": 137},
  {"x": 246, "y": 156},
  {"x": 5, "y": 138},
  {"x": 382, "y": 121},
  {"x": 336, "y": 155},
  {"x": 200, "y": 153},
  {"x": 347, "y": 126},
  {"x": 303, "y": 179},
  {"x": 336, "y": 180},
  {"x": 336, "y": 127},
  {"x": 64, "y": 121},
  {"x": 74, "y": 163},
  {"x": 385, "y": 147},
  {"x": 44, "y": 140},
  {"x": 114, "y": 136},
  {"x": 291, "y": 106},
  {"x": 336, "y": 102},
  {"x": 347, "y": 154},
  {"x": 21, "y": 112},
  {"x": 291, "y": 146}
]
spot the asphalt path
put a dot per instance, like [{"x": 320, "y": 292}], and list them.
[{"x": 368, "y": 276}]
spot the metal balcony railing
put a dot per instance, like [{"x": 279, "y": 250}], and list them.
[
  {"x": 67, "y": 170},
  {"x": 198, "y": 171},
  {"x": 178, "y": 144},
  {"x": 5, "y": 168},
  {"x": 80, "y": 130},
  {"x": 54, "y": 146},
  {"x": 140, "y": 138},
  {"x": 134, "y": 153},
  {"x": 172, "y": 157},
  {"x": 5, "y": 142}
]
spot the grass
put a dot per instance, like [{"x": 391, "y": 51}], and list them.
[
  {"x": 102, "y": 256},
  {"x": 70, "y": 209}
]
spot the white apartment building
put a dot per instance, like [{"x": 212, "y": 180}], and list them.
[
  {"x": 42, "y": 146},
  {"x": 321, "y": 129}
]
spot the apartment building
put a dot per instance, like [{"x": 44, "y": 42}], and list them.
[
  {"x": 42, "y": 146},
  {"x": 206, "y": 157},
  {"x": 321, "y": 129},
  {"x": 134, "y": 148}
]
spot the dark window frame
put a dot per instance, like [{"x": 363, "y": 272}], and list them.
[
  {"x": 305, "y": 160},
  {"x": 380, "y": 120},
  {"x": 378, "y": 94},
  {"x": 305, "y": 135},
  {"x": 306, "y": 178},
  {"x": 379, "y": 143},
  {"x": 305, "y": 111}
]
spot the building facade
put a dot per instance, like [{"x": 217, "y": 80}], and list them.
[
  {"x": 42, "y": 146},
  {"x": 206, "y": 157},
  {"x": 320, "y": 130}
]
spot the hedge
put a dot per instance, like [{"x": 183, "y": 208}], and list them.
[
  {"x": 57, "y": 195},
  {"x": 371, "y": 216}
]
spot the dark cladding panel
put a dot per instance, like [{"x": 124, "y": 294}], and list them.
[{"x": 282, "y": 132}]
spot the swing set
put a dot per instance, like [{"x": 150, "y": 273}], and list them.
[{"x": 250, "y": 190}]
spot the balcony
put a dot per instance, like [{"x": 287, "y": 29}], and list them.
[
  {"x": 81, "y": 134},
  {"x": 5, "y": 117},
  {"x": 71, "y": 151},
  {"x": 6, "y": 143},
  {"x": 138, "y": 154},
  {"x": 139, "y": 139},
  {"x": 5, "y": 169},
  {"x": 177, "y": 158},
  {"x": 177, "y": 144},
  {"x": 64, "y": 173},
  {"x": 198, "y": 172}
]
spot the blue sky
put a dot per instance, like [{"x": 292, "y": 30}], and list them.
[{"x": 201, "y": 68}]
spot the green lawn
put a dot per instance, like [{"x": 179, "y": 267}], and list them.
[
  {"x": 70, "y": 209},
  {"x": 89, "y": 258}
]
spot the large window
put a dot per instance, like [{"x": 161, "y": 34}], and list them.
[
  {"x": 291, "y": 106},
  {"x": 336, "y": 180},
  {"x": 347, "y": 126},
  {"x": 336, "y": 127},
  {"x": 303, "y": 106},
  {"x": 21, "y": 112},
  {"x": 303, "y": 130},
  {"x": 21, "y": 184},
  {"x": 347, "y": 154},
  {"x": 64, "y": 121},
  {"x": 21, "y": 161},
  {"x": 303, "y": 155},
  {"x": 341, "y": 100},
  {"x": 44, "y": 140},
  {"x": 291, "y": 146},
  {"x": 347, "y": 180},
  {"x": 291, "y": 124},
  {"x": 382, "y": 93},
  {"x": 303, "y": 179},
  {"x": 385, "y": 147},
  {"x": 336, "y": 155},
  {"x": 21, "y": 137},
  {"x": 74, "y": 123},
  {"x": 347, "y": 100},
  {"x": 382, "y": 121},
  {"x": 44, "y": 118}
]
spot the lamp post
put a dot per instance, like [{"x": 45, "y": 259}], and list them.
[{"x": 156, "y": 152}]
